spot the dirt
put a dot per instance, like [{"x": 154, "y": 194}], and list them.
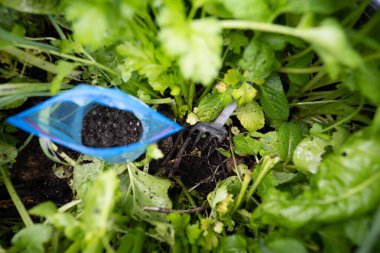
[
  {"x": 34, "y": 181},
  {"x": 105, "y": 127}
]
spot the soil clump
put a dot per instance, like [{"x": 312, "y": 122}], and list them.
[{"x": 105, "y": 127}]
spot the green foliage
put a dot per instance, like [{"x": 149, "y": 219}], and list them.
[
  {"x": 273, "y": 99},
  {"x": 289, "y": 135},
  {"x": 251, "y": 116},
  {"x": 304, "y": 73},
  {"x": 343, "y": 187},
  {"x": 32, "y": 239}
]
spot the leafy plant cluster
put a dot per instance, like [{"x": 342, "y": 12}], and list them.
[{"x": 305, "y": 75}]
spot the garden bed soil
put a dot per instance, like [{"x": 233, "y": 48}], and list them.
[{"x": 105, "y": 127}]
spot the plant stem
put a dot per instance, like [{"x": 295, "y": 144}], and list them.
[
  {"x": 267, "y": 164},
  {"x": 191, "y": 95},
  {"x": 57, "y": 28},
  {"x": 187, "y": 194},
  {"x": 347, "y": 118},
  {"x": 15, "y": 198},
  {"x": 300, "y": 70},
  {"x": 259, "y": 26},
  {"x": 243, "y": 190},
  {"x": 297, "y": 55}
]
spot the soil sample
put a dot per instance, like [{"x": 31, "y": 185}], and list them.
[{"x": 105, "y": 127}]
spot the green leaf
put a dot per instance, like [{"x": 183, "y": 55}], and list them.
[
  {"x": 32, "y": 239},
  {"x": 358, "y": 229},
  {"x": 64, "y": 69},
  {"x": 334, "y": 240},
  {"x": 84, "y": 15},
  {"x": 302, "y": 62},
  {"x": 273, "y": 99},
  {"x": 345, "y": 186},
  {"x": 244, "y": 94},
  {"x": 196, "y": 44},
  {"x": 85, "y": 171},
  {"x": 246, "y": 145},
  {"x": 143, "y": 190},
  {"x": 316, "y": 6},
  {"x": 285, "y": 245},
  {"x": 8, "y": 153},
  {"x": 269, "y": 144},
  {"x": 233, "y": 244},
  {"x": 308, "y": 154},
  {"x": 289, "y": 135},
  {"x": 98, "y": 205},
  {"x": 258, "y": 62},
  {"x": 209, "y": 107},
  {"x": 33, "y": 6},
  {"x": 44, "y": 209},
  {"x": 244, "y": 9},
  {"x": 251, "y": 116},
  {"x": 236, "y": 41},
  {"x": 331, "y": 44}
]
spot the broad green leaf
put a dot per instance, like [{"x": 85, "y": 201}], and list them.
[
  {"x": 32, "y": 239},
  {"x": 90, "y": 24},
  {"x": 246, "y": 145},
  {"x": 209, "y": 107},
  {"x": 334, "y": 240},
  {"x": 223, "y": 192},
  {"x": 85, "y": 172},
  {"x": 98, "y": 205},
  {"x": 258, "y": 62},
  {"x": 285, "y": 245},
  {"x": 269, "y": 144},
  {"x": 232, "y": 77},
  {"x": 289, "y": 135},
  {"x": 357, "y": 229},
  {"x": 317, "y": 6},
  {"x": 251, "y": 116},
  {"x": 139, "y": 190},
  {"x": 33, "y": 6},
  {"x": 365, "y": 79},
  {"x": 257, "y": 10},
  {"x": 345, "y": 186},
  {"x": 273, "y": 99},
  {"x": 233, "y": 244},
  {"x": 308, "y": 154},
  {"x": 195, "y": 44},
  {"x": 44, "y": 209},
  {"x": 332, "y": 45}
]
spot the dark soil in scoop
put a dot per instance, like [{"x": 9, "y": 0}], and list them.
[{"x": 105, "y": 127}]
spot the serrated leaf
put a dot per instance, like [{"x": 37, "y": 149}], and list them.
[
  {"x": 251, "y": 116},
  {"x": 32, "y": 239},
  {"x": 244, "y": 94},
  {"x": 273, "y": 99},
  {"x": 246, "y": 145},
  {"x": 289, "y": 135},
  {"x": 196, "y": 44},
  {"x": 8, "y": 153}
]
